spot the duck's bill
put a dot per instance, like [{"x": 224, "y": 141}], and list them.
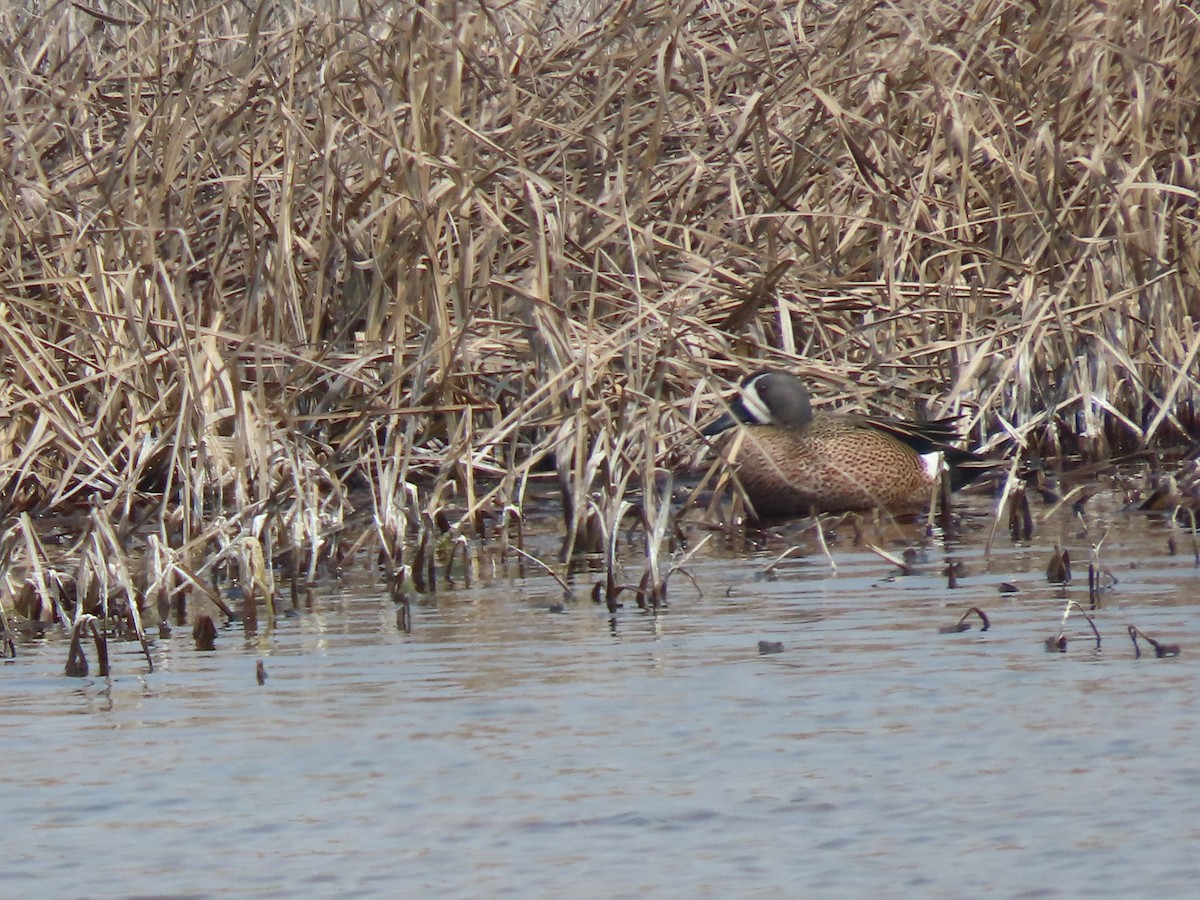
[{"x": 723, "y": 423}]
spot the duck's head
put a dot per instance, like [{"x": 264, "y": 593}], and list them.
[{"x": 766, "y": 398}]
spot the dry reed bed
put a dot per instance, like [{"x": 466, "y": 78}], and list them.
[{"x": 255, "y": 256}]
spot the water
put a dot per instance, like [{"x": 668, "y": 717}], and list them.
[{"x": 504, "y": 748}]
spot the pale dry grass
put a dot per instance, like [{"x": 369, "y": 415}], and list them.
[{"x": 255, "y": 260}]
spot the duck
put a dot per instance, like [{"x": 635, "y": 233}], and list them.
[{"x": 791, "y": 461}]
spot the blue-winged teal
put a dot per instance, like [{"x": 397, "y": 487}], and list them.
[{"x": 792, "y": 461}]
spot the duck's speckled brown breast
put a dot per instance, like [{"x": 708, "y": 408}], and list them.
[{"x": 832, "y": 464}]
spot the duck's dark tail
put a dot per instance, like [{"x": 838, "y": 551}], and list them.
[
  {"x": 937, "y": 436},
  {"x": 966, "y": 466},
  {"x": 924, "y": 437}
]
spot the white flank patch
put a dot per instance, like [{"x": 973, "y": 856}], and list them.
[{"x": 933, "y": 465}]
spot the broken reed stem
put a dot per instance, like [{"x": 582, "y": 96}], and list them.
[
  {"x": 459, "y": 542},
  {"x": 961, "y": 624},
  {"x": 818, "y": 526},
  {"x": 1012, "y": 485},
  {"x": 771, "y": 568},
  {"x": 8, "y": 649},
  {"x": 1066, "y": 613},
  {"x": 77, "y": 664},
  {"x": 566, "y": 589},
  {"x": 1161, "y": 651},
  {"x": 404, "y": 617}
]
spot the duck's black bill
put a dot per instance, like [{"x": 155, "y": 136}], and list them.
[
  {"x": 723, "y": 423},
  {"x": 736, "y": 415}
]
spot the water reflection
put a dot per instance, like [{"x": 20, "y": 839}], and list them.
[{"x": 502, "y": 747}]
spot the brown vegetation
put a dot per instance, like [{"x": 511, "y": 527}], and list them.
[{"x": 256, "y": 256}]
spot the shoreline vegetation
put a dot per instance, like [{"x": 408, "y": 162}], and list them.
[{"x": 259, "y": 257}]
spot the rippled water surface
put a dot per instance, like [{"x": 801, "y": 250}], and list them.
[{"x": 505, "y": 747}]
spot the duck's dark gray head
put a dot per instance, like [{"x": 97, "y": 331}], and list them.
[{"x": 766, "y": 398}]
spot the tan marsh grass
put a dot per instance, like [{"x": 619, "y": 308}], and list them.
[{"x": 256, "y": 257}]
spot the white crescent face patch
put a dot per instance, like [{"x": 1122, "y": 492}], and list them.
[{"x": 754, "y": 403}]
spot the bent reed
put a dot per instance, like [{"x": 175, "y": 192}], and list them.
[{"x": 263, "y": 260}]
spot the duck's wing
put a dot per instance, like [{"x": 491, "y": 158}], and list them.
[{"x": 934, "y": 436}]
